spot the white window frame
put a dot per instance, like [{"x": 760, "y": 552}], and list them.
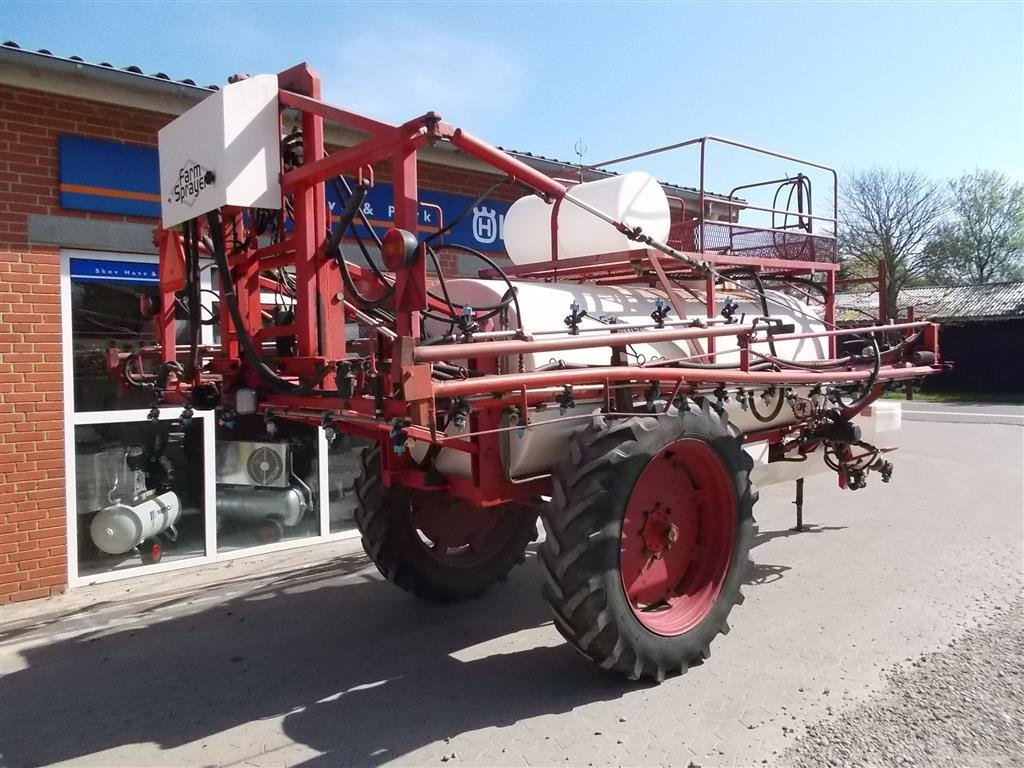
[{"x": 73, "y": 419}]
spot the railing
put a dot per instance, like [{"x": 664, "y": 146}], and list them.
[{"x": 802, "y": 236}]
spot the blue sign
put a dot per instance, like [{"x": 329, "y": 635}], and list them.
[
  {"x": 109, "y": 177},
  {"x": 479, "y": 226},
  {"x": 121, "y": 272}
]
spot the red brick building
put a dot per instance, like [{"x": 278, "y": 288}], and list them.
[{"x": 78, "y": 205}]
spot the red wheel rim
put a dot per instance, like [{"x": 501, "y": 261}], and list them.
[
  {"x": 677, "y": 539},
  {"x": 457, "y": 534}
]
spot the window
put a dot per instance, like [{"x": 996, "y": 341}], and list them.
[{"x": 160, "y": 491}]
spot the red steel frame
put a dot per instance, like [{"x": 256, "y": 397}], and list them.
[{"x": 395, "y": 390}]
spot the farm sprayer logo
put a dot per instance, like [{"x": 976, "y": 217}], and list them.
[{"x": 192, "y": 179}]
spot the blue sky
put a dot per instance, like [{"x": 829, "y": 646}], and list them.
[{"x": 934, "y": 86}]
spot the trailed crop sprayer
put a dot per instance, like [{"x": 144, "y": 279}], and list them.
[{"x": 631, "y": 377}]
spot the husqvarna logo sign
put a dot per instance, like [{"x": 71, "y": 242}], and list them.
[
  {"x": 192, "y": 179},
  {"x": 485, "y": 225}
]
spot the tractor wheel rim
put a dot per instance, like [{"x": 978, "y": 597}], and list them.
[
  {"x": 677, "y": 539},
  {"x": 458, "y": 535}
]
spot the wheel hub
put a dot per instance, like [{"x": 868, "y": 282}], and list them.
[{"x": 659, "y": 532}]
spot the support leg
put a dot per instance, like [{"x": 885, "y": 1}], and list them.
[{"x": 799, "y": 502}]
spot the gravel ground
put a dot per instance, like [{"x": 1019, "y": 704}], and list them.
[{"x": 961, "y": 706}]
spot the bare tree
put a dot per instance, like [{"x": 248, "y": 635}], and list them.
[
  {"x": 984, "y": 241},
  {"x": 888, "y": 217}
]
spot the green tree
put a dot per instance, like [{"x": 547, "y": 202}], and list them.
[
  {"x": 984, "y": 240},
  {"x": 888, "y": 218}
]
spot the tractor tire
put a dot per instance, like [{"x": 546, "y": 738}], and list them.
[
  {"x": 648, "y": 539},
  {"x": 433, "y": 545}
]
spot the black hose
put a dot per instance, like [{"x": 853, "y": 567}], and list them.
[
  {"x": 441, "y": 281},
  {"x": 333, "y": 248},
  {"x": 195, "y": 318},
  {"x": 336, "y": 238},
  {"x": 493, "y": 265},
  {"x": 455, "y": 222},
  {"x": 710, "y": 366},
  {"x": 798, "y": 281},
  {"x": 761, "y": 292},
  {"x": 228, "y": 295},
  {"x": 869, "y": 384}
]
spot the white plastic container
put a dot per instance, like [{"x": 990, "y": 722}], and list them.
[
  {"x": 635, "y": 198},
  {"x": 545, "y": 306}
]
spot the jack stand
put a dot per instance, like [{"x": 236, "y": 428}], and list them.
[{"x": 799, "y": 505}]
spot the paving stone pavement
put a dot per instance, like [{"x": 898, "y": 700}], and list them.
[{"x": 308, "y": 658}]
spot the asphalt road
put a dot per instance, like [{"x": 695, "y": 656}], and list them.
[{"x": 308, "y": 658}]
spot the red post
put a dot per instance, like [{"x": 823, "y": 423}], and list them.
[
  {"x": 712, "y": 310},
  {"x": 909, "y": 386},
  {"x": 410, "y": 284},
  {"x": 830, "y": 309},
  {"x": 883, "y": 290}
]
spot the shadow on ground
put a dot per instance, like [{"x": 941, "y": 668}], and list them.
[{"x": 364, "y": 671}]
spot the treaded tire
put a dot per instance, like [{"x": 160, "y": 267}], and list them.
[
  {"x": 392, "y": 542},
  {"x": 580, "y": 556}
]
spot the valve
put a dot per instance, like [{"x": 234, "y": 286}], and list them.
[
  {"x": 768, "y": 394},
  {"x": 652, "y": 395},
  {"x": 682, "y": 406},
  {"x": 661, "y": 310},
  {"x": 574, "y": 318},
  {"x": 467, "y": 322},
  {"x": 226, "y": 418},
  {"x": 269, "y": 424},
  {"x": 346, "y": 379},
  {"x": 330, "y": 432},
  {"x": 730, "y": 308},
  {"x": 514, "y": 416},
  {"x": 566, "y": 400},
  {"x": 721, "y": 397},
  {"x": 398, "y": 437},
  {"x": 186, "y": 417},
  {"x": 460, "y": 413},
  {"x": 743, "y": 398}
]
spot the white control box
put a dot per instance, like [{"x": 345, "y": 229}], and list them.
[{"x": 226, "y": 150}]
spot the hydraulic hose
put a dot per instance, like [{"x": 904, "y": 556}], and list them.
[{"x": 228, "y": 295}]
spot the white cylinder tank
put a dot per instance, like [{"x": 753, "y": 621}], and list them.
[
  {"x": 121, "y": 527},
  {"x": 545, "y": 306},
  {"x": 635, "y": 198}
]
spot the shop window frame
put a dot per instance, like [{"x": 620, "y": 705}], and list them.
[{"x": 73, "y": 419}]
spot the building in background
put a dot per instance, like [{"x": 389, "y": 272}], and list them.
[
  {"x": 982, "y": 332},
  {"x": 78, "y": 205}
]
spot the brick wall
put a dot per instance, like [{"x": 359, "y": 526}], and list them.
[{"x": 33, "y": 542}]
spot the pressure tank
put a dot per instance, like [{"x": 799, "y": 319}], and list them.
[
  {"x": 635, "y": 198},
  {"x": 120, "y": 528},
  {"x": 250, "y": 504}
]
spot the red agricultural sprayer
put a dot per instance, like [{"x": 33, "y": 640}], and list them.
[{"x": 638, "y": 369}]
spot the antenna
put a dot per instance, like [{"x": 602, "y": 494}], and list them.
[{"x": 580, "y": 149}]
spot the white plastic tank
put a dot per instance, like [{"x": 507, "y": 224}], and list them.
[
  {"x": 545, "y": 306},
  {"x": 121, "y": 527},
  {"x": 635, "y": 198}
]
